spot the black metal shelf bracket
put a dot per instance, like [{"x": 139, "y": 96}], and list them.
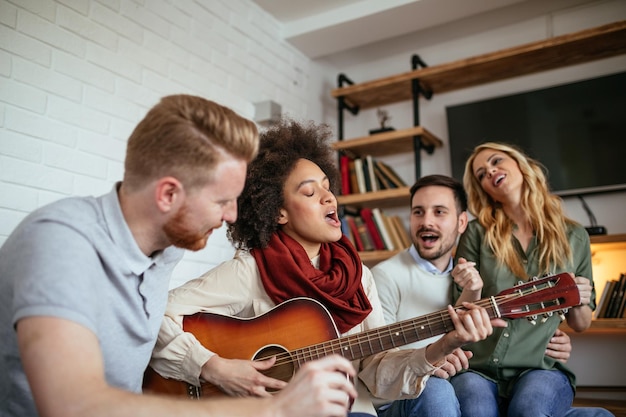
[
  {"x": 342, "y": 79},
  {"x": 418, "y": 89}
]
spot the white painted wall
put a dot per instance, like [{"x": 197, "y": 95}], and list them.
[{"x": 77, "y": 75}]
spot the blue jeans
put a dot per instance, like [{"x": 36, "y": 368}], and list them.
[
  {"x": 537, "y": 393},
  {"x": 437, "y": 400}
]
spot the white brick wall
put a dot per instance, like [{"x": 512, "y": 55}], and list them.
[{"x": 77, "y": 75}]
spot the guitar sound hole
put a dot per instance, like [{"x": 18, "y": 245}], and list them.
[{"x": 283, "y": 369}]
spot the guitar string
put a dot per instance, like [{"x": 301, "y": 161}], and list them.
[
  {"x": 348, "y": 343},
  {"x": 434, "y": 320}
]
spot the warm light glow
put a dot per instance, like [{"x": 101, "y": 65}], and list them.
[{"x": 608, "y": 262}]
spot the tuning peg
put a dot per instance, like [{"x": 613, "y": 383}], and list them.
[
  {"x": 545, "y": 317},
  {"x": 532, "y": 319},
  {"x": 562, "y": 315}
]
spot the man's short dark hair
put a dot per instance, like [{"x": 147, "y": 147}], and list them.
[{"x": 443, "y": 181}]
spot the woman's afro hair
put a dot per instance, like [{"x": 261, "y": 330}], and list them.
[{"x": 281, "y": 146}]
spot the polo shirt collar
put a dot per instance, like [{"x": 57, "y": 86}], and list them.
[
  {"x": 427, "y": 265},
  {"x": 121, "y": 235}
]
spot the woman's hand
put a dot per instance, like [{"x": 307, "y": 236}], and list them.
[
  {"x": 584, "y": 289},
  {"x": 560, "y": 346},
  {"x": 455, "y": 362},
  {"x": 579, "y": 317},
  {"x": 240, "y": 378},
  {"x": 467, "y": 277}
]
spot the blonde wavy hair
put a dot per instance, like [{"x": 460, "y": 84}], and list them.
[{"x": 544, "y": 210}]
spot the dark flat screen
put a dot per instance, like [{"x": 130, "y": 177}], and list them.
[{"x": 577, "y": 131}]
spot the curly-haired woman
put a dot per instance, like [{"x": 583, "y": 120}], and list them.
[
  {"x": 290, "y": 245},
  {"x": 520, "y": 232}
]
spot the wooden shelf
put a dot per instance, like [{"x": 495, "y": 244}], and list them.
[
  {"x": 385, "y": 198},
  {"x": 575, "y": 48},
  {"x": 387, "y": 143},
  {"x": 619, "y": 238},
  {"x": 604, "y": 326},
  {"x": 371, "y": 258},
  {"x": 608, "y": 243}
]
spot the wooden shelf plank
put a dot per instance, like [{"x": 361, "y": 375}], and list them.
[
  {"x": 600, "y": 326},
  {"x": 570, "y": 49},
  {"x": 371, "y": 258},
  {"x": 385, "y": 198},
  {"x": 387, "y": 143},
  {"x": 618, "y": 238},
  {"x": 606, "y": 243}
]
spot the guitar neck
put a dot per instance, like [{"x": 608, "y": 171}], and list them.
[
  {"x": 383, "y": 338},
  {"x": 534, "y": 297}
]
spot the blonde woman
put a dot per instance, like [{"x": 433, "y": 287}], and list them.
[{"x": 520, "y": 232}]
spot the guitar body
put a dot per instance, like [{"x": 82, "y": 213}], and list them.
[{"x": 289, "y": 326}]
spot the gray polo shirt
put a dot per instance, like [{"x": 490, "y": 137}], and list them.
[{"x": 76, "y": 259}]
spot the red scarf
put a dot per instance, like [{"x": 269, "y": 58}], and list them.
[{"x": 287, "y": 272}]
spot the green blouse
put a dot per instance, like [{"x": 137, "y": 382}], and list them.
[{"x": 509, "y": 352}]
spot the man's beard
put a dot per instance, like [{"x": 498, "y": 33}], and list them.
[
  {"x": 181, "y": 236},
  {"x": 428, "y": 254},
  {"x": 431, "y": 256}
]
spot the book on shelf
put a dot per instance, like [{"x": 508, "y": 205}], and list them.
[
  {"x": 356, "y": 236},
  {"x": 354, "y": 184},
  {"x": 366, "y": 174},
  {"x": 364, "y": 234},
  {"x": 602, "y": 301},
  {"x": 360, "y": 177},
  {"x": 606, "y": 301},
  {"x": 382, "y": 229},
  {"x": 390, "y": 174},
  {"x": 384, "y": 182},
  {"x": 392, "y": 230},
  {"x": 368, "y": 218},
  {"x": 347, "y": 232},
  {"x": 404, "y": 235},
  {"x": 344, "y": 168},
  {"x": 616, "y": 298},
  {"x": 621, "y": 310},
  {"x": 373, "y": 182},
  {"x": 372, "y": 229}
]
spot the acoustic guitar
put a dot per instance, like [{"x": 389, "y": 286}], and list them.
[{"x": 302, "y": 329}]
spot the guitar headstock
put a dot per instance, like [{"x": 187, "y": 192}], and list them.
[{"x": 541, "y": 296}]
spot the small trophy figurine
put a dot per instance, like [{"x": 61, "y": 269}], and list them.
[{"x": 383, "y": 118}]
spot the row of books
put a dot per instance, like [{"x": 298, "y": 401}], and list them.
[
  {"x": 612, "y": 304},
  {"x": 363, "y": 175},
  {"x": 372, "y": 229}
]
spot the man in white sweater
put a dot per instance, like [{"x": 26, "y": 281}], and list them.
[{"x": 418, "y": 281}]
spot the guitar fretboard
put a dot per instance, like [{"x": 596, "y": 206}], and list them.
[{"x": 383, "y": 338}]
